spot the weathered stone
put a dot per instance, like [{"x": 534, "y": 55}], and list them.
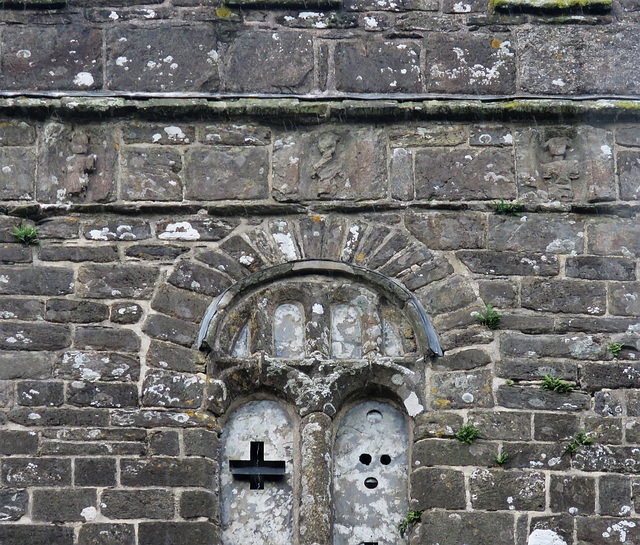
[
  {"x": 23, "y": 472},
  {"x": 200, "y": 279},
  {"x": 164, "y": 58},
  {"x": 17, "y": 442},
  {"x": 197, "y": 228},
  {"x": 603, "y": 530},
  {"x": 561, "y": 525},
  {"x": 537, "y": 233},
  {"x": 107, "y": 282},
  {"x": 583, "y": 52},
  {"x": 526, "y": 323},
  {"x": 152, "y": 174},
  {"x": 628, "y": 136},
  {"x": 106, "y": 338},
  {"x": 446, "y": 230},
  {"x": 270, "y": 62},
  {"x": 154, "y": 252},
  {"x": 174, "y": 358},
  {"x": 497, "y": 490},
  {"x": 134, "y": 504},
  {"x": 437, "y": 488},
  {"x": 143, "y": 133},
  {"x": 21, "y": 309},
  {"x": 514, "y": 397},
  {"x": 123, "y": 229},
  {"x": 437, "y": 424},
  {"x": 457, "y": 390},
  {"x": 401, "y": 174},
  {"x": 464, "y": 6},
  {"x": 608, "y": 404},
  {"x": 107, "y": 534},
  {"x": 17, "y": 174},
  {"x": 573, "y": 296},
  {"x": 572, "y": 494},
  {"x": 40, "y": 57},
  {"x": 330, "y": 163},
  {"x": 572, "y": 164},
  {"x": 58, "y": 228},
  {"x": 155, "y": 533},
  {"x": 431, "y": 134},
  {"x": 36, "y": 281},
  {"x": 615, "y": 495},
  {"x": 91, "y": 366},
  {"x": 155, "y": 419},
  {"x": 201, "y": 443},
  {"x": 614, "y": 237},
  {"x": 464, "y": 174},
  {"x": 33, "y": 336},
  {"x": 600, "y": 268},
  {"x": 242, "y": 252},
  {"x": 78, "y": 164},
  {"x": 466, "y": 359},
  {"x": 14, "y": 534},
  {"x": 628, "y": 172},
  {"x": 13, "y": 504},
  {"x": 499, "y": 293},
  {"x": 165, "y": 443},
  {"x": 236, "y": 270},
  {"x": 554, "y": 427},
  {"x": 236, "y": 134},
  {"x": 632, "y": 402},
  {"x": 78, "y": 254},
  {"x": 11, "y": 253},
  {"x": 510, "y": 425},
  {"x": 65, "y": 311},
  {"x": 59, "y": 417},
  {"x": 17, "y": 133},
  {"x": 161, "y": 471},
  {"x": 125, "y": 313},
  {"x": 377, "y": 66},
  {"x": 624, "y": 299},
  {"x": 540, "y": 456},
  {"x": 170, "y": 329},
  {"x": 63, "y": 505},
  {"x": 453, "y": 295},
  {"x": 109, "y": 395},
  {"x": 470, "y": 528},
  {"x": 596, "y": 376},
  {"x": 32, "y": 393},
  {"x": 165, "y": 389},
  {"x": 510, "y": 263},
  {"x": 551, "y": 346},
  {"x": 23, "y": 365},
  {"x": 475, "y": 64},
  {"x": 66, "y": 448},
  {"x": 448, "y": 452},
  {"x": 490, "y": 134},
  {"x": 95, "y": 471},
  {"x": 198, "y": 503}
]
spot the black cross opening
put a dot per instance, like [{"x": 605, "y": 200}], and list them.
[{"x": 256, "y": 469}]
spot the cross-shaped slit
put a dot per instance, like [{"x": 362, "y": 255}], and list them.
[{"x": 256, "y": 469}]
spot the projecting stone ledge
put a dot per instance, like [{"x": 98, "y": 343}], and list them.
[{"x": 551, "y": 5}]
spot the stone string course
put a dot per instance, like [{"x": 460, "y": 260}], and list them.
[{"x": 108, "y": 428}]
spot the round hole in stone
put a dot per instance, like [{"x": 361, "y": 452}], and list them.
[
  {"x": 374, "y": 416},
  {"x": 371, "y": 482},
  {"x": 385, "y": 459},
  {"x": 365, "y": 459}
]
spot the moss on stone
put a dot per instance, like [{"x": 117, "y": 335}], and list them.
[{"x": 551, "y": 5}]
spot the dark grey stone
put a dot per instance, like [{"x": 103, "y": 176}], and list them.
[
  {"x": 624, "y": 299},
  {"x": 443, "y": 528},
  {"x": 461, "y": 389},
  {"x": 602, "y": 530},
  {"x": 15, "y": 534},
  {"x": 163, "y": 58},
  {"x": 447, "y": 230},
  {"x": 568, "y": 296},
  {"x": 270, "y": 62},
  {"x": 561, "y": 524},
  {"x": 401, "y": 174},
  {"x": 95, "y": 471},
  {"x": 18, "y": 442},
  {"x": 166, "y": 389},
  {"x": 489, "y": 134},
  {"x": 448, "y": 452},
  {"x": 17, "y": 174},
  {"x": 33, "y": 336},
  {"x": 512, "y": 426},
  {"x": 165, "y": 443},
  {"x": 107, "y": 534},
  {"x": 200, "y": 279},
  {"x": 628, "y": 172},
  {"x": 62, "y": 228},
  {"x": 59, "y": 417},
  {"x": 174, "y": 358},
  {"x": 509, "y": 263},
  {"x": 170, "y": 329},
  {"x": 453, "y": 295},
  {"x": 108, "y": 282},
  {"x": 22, "y": 365},
  {"x": 21, "y": 309},
  {"x": 614, "y": 237},
  {"x": 91, "y": 366},
  {"x": 600, "y": 268},
  {"x": 201, "y": 443},
  {"x": 125, "y": 312},
  {"x": 497, "y": 490},
  {"x": 555, "y": 427},
  {"x": 168, "y": 133},
  {"x": 236, "y": 134},
  {"x": 578, "y": 346},
  {"x": 596, "y": 376},
  {"x": 152, "y": 252},
  {"x": 533, "y": 369},
  {"x": 125, "y": 228},
  {"x": 152, "y": 174},
  {"x": 473, "y": 64},
  {"x": 66, "y": 310},
  {"x": 63, "y": 504},
  {"x": 437, "y": 424},
  {"x": 437, "y": 488},
  {"x": 409, "y": 135},
  {"x": 36, "y": 280},
  {"x": 108, "y": 394},
  {"x": 161, "y": 471},
  {"x": 615, "y": 495},
  {"x": 163, "y": 418},
  {"x": 208, "y": 229},
  {"x": 177, "y": 533},
  {"x": 465, "y": 359},
  {"x": 23, "y": 472},
  {"x": 180, "y": 303},
  {"x": 464, "y": 174},
  {"x": 34, "y": 393},
  {"x": 13, "y": 504},
  {"x": 106, "y": 338},
  {"x": 573, "y": 494},
  {"x": 39, "y": 57},
  {"x": 137, "y": 503},
  {"x": 514, "y": 397},
  {"x": 539, "y": 456},
  {"x": 12, "y": 253},
  {"x": 198, "y": 503},
  {"x": 608, "y": 404},
  {"x": 17, "y": 133}
]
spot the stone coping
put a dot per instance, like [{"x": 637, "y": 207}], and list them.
[{"x": 319, "y": 110}]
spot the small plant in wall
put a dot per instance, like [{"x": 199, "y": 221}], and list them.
[
  {"x": 556, "y": 385},
  {"x": 615, "y": 348},
  {"x": 26, "y": 234},
  {"x": 507, "y": 208},
  {"x": 490, "y": 317},
  {"x": 412, "y": 518},
  {"x": 501, "y": 458},
  {"x": 579, "y": 439},
  {"x": 468, "y": 433}
]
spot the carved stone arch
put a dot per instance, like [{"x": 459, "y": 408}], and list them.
[{"x": 318, "y": 382}]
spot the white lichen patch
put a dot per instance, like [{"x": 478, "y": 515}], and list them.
[
  {"x": 545, "y": 537},
  {"x": 181, "y": 230},
  {"x": 89, "y": 513},
  {"x": 83, "y": 79}
]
